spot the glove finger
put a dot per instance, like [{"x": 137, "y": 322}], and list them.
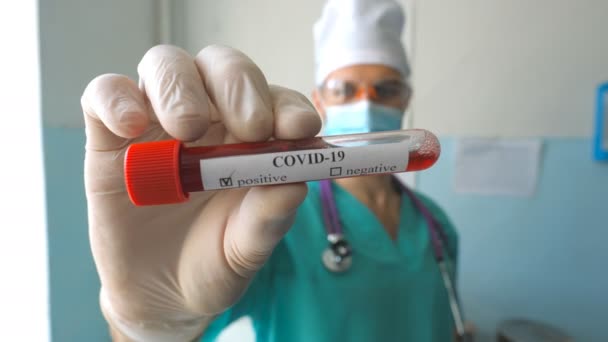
[
  {"x": 231, "y": 240},
  {"x": 295, "y": 116},
  {"x": 239, "y": 91},
  {"x": 175, "y": 90},
  {"x": 114, "y": 111},
  {"x": 263, "y": 218}
]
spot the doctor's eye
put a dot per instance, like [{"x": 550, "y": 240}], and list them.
[
  {"x": 389, "y": 89},
  {"x": 338, "y": 90}
]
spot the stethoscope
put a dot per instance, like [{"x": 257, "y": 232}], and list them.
[{"x": 337, "y": 257}]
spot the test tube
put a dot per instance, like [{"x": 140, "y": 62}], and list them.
[{"x": 165, "y": 172}]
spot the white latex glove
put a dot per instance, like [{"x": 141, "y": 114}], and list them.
[{"x": 167, "y": 270}]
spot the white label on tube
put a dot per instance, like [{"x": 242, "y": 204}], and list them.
[{"x": 304, "y": 165}]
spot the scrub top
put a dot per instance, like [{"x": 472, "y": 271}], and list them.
[{"x": 392, "y": 292}]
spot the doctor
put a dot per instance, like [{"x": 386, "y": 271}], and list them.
[{"x": 350, "y": 260}]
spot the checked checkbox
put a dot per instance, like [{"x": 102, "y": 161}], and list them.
[{"x": 224, "y": 182}]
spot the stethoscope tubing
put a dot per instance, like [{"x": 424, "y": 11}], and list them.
[{"x": 438, "y": 237}]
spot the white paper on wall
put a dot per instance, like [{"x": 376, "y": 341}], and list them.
[{"x": 497, "y": 166}]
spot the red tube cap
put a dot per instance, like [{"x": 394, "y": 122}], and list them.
[{"x": 152, "y": 173}]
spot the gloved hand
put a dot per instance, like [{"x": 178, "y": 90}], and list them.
[{"x": 167, "y": 270}]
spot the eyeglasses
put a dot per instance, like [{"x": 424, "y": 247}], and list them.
[{"x": 389, "y": 91}]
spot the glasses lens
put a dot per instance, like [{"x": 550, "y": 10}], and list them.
[
  {"x": 338, "y": 91},
  {"x": 390, "y": 89}
]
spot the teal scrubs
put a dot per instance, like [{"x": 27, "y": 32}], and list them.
[{"x": 392, "y": 292}]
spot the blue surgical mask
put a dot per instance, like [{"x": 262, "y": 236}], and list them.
[{"x": 361, "y": 117}]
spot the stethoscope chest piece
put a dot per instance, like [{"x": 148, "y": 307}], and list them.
[{"x": 337, "y": 256}]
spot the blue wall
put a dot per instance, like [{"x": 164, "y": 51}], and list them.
[
  {"x": 74, "y": 285},
  {"x": 542, "y": 257}
]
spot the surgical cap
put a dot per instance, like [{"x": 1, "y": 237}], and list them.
[{"x": 352, "y": 32}]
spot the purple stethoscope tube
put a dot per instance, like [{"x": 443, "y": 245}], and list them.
[{"x": 338, "y": 257}]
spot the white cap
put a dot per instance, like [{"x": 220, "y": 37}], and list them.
[{"x": 353, "y": 32}]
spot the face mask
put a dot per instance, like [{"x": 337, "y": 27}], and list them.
[{"x": 361, "y": 117}]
